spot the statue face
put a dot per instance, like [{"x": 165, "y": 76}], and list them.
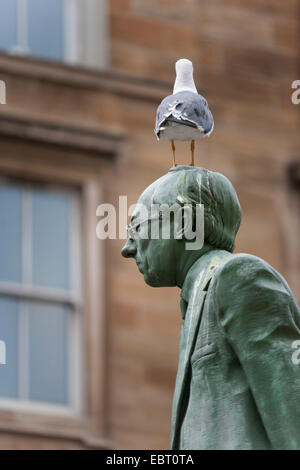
[
  {"x": 155, "y": 258},
  {"x": 164, "y": 262}
]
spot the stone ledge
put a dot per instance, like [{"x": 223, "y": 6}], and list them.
[
  {"x": 73, "y": 433},
  {"x": 108, "y": 80},
  {"x": 61, "y": 134}
]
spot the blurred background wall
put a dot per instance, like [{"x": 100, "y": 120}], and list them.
[{"x": 91, "y": 350}]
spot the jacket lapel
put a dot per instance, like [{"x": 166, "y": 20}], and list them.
[
  {"x": 187, "y": 338},
  {"x": 187, "y": 341}
]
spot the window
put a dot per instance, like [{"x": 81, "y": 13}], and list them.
[
  {"x": 53, "y": 279},
  {"x": 40, "y": 294},
  {"x": 73, "y": 31}
]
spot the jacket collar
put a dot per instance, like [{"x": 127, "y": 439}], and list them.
[{"x": 202, "y": 267}]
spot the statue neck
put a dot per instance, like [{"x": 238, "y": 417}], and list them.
[{"x": 187, "y": 260}]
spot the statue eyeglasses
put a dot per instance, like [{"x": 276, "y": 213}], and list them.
[{"x": 134, "y": 229}]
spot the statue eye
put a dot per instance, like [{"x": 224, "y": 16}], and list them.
[{"x": 137, "y": 227}]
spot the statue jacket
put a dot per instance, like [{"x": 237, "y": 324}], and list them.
[{"x": 238, "y": 378}]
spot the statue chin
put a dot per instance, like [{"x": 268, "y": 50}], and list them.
[{"x": 153, "y": 280}]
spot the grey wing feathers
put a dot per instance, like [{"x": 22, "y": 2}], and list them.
[{"x": 186, "y": 107}]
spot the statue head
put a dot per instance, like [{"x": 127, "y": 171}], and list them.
[{"x": 165, "y": 261}]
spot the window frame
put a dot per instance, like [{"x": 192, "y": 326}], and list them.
[
  {"x": 24, "y": 291},
  {"x": 79, "y": 158},
  {"x": 85, "y": 33}
]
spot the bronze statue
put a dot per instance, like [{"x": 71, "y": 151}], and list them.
[{"x": 237, "y": 384}]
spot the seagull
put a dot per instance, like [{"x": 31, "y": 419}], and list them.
[{"x": 185, "y": 114}]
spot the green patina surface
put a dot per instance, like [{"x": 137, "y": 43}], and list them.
[{"x": 237, "y": 384}]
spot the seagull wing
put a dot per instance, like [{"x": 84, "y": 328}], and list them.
[{"x": 186, "y": 108}]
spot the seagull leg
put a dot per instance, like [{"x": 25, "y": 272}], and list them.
[
  {"x": 173, "y": 149},
  {"x": 192, "y": 150}
]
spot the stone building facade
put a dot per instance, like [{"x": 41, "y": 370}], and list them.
[{"x": 90, "y": 131}]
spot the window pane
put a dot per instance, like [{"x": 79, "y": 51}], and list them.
[
  {"x": 8, "y": 19},
  {"x": 48, "y": 340},
  {"x": 50, "y": 238},
  {"x": 10, "y": 233},
  {"x": 46, "y": 28},
  {"x": 9, "y": 334}
]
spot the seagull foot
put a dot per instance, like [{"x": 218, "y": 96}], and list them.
[{"x": 193, "y": 152}]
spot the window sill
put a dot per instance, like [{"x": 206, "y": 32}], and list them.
[{"x": 76, "y": 429}]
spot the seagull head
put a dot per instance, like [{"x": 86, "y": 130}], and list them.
[{"x": 184, "y": 76}]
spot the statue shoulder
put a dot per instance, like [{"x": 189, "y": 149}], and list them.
[
  {"x": 243, "y": 276},
  {"x": 243, "y": 265}
]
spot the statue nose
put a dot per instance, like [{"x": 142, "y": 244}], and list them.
[{"x": 129, "y": 249}]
